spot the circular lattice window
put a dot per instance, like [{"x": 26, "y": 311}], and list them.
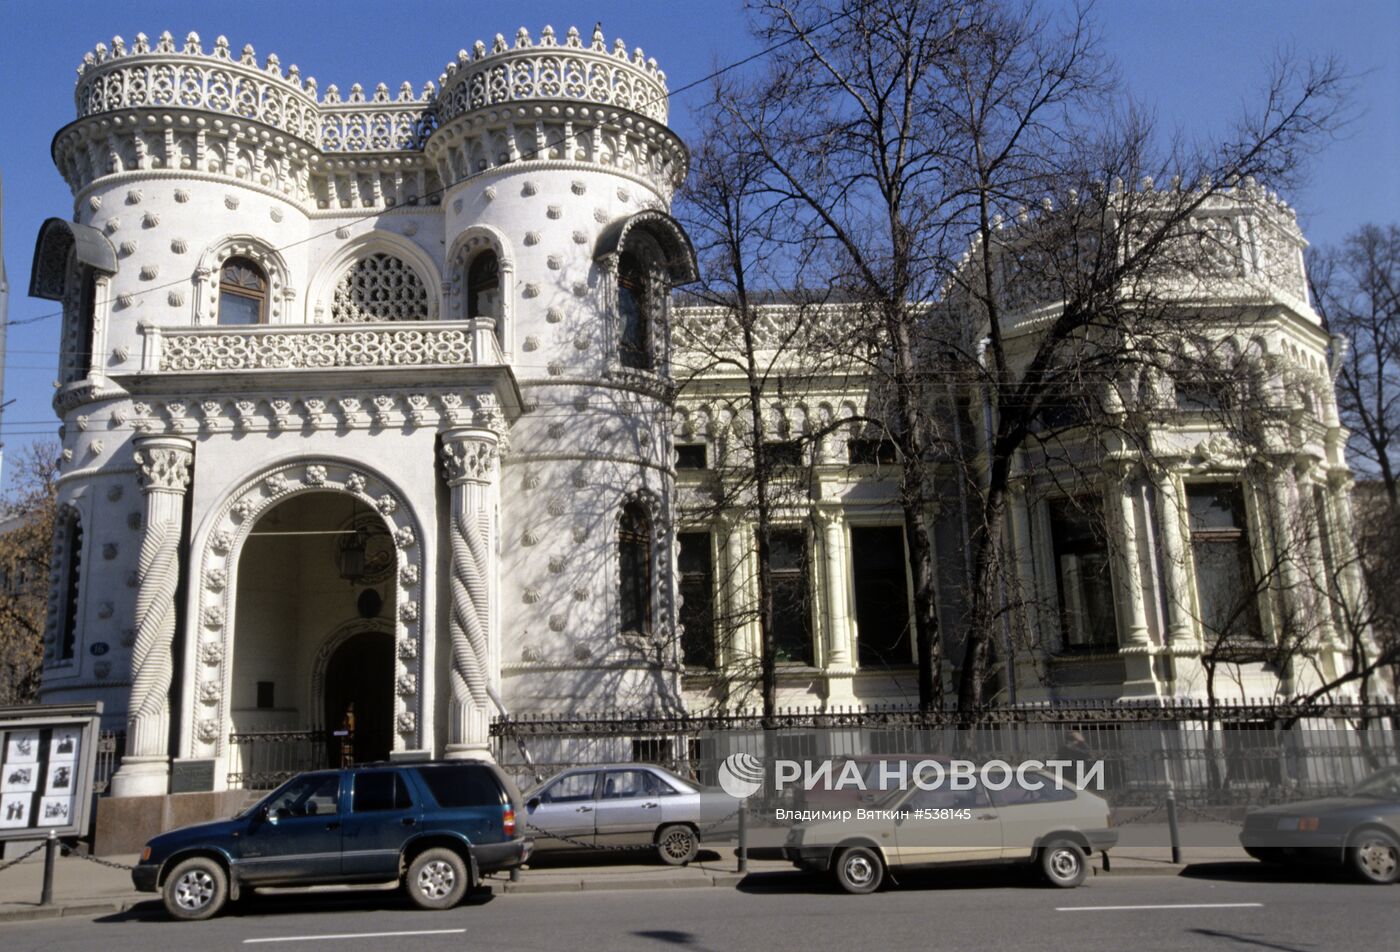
[{"x": 380, "y": 287}]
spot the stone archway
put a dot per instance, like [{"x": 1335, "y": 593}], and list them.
[{"x": 219, "y": 546}]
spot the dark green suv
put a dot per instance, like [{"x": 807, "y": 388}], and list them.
[{"x": 434, "y": 827}]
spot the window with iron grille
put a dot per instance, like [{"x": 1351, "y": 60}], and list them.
[{"x": 634, "y": 558}]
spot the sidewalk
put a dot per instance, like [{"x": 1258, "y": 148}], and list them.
[{"x": 82, "y": 887}]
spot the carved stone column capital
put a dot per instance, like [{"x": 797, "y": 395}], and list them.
[
  {"x": 470, "y": 454},
  {"x": 164, "y": 464}
]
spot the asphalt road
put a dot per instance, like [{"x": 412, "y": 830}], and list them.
[{"x": 1230, "y": 907}]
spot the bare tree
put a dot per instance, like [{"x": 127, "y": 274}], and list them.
[
  {"x": 756, "y": 352},
  {"x": 916, "y": 131},
  {"x": 26, "y": 547},
  {"x": 1356, "y": 289}
]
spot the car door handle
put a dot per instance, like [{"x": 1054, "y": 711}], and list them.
[
  {"x": 333, "y": 825},
  {"x": 408, "y": 821},
  {"x": 986, "y": 816},
  {"x": 584, "y": 810},
  {"x": 648, "y": 806}
]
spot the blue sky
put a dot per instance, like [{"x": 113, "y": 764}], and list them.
[{"x": 1193, "y": 61}]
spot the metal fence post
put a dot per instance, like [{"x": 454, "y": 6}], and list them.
[
  {"x": 743, "y": 837},
  {"x": 1173, "y": 827},
  {"x": 50, "y": 852}
]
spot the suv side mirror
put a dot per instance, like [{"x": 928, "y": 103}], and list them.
[{"x": 531, "y": 803}]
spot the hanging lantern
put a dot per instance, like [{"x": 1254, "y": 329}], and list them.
[{"x": 352, "y": 554}]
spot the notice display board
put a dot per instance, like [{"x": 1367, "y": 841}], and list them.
[{"x": 48, "y": 754}]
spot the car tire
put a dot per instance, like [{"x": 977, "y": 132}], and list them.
[
  {"x": 195, "y": 889},
  {"x": 1375, "y": 856},
  {"x": 859, "y": 870},
  {"x": 677, "y": 844},
  {"x": 437, "y": 879},
  {"x": 1063, "y": 863}
]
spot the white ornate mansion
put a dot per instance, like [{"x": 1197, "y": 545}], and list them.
[{"x": 368, "y": 409}]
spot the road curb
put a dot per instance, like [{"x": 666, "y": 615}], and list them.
[
  {"x": 1120, "y": 871},
  {"x": 39, "y": 913},
  {"x": 526, "y": 887}
]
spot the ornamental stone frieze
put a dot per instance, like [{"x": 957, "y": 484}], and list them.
[
  {"x": 169, "y": 108},
  {"x": 297, "y": 411}
]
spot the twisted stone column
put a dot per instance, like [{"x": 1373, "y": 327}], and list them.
[
  {"x": 164, "y": 464},
  {"x": 469, "y": 456}
]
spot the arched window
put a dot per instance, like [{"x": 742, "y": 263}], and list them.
[
  {"x": 634, "y": 558},
  {"x": 380, "y": 287},
  {"x": 484, "y": 286},
  {"x": 634, "y": 313},
  {"x": 242, "y": 293}
]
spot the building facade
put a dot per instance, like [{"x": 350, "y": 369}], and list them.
[{"x": 370, "y": 418}]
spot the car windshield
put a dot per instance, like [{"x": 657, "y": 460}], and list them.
[{"x": 1384, "y": 785}]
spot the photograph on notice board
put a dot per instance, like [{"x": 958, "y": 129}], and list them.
[
  {"x": 19, "y": 778},
  {"x": 60, "y": 779},
  {"x": 21, "y": 747},
  {"x": 14, "y": 810},
  {"x": 54, "y": 811},
  {"x": 63, "y": 744}
]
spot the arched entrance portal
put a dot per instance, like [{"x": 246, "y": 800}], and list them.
[
  {"x": 314, "y": 567},
  {"x": 355, "y": 683}
]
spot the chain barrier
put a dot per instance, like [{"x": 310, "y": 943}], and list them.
[
  {"x": 21, "y": 858},
  {"x": 1141, "y": 818},
  {"x": 632, "y": 847},
  {"x": 69, "y": 851},
  {"x": 1203, "y": 815}
]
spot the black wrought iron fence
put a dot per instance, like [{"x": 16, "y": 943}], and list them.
[
  {"x": 110, "y": 747},
  {"x": 262, "y": 760},
  {"x": 1226, "y": 754}
]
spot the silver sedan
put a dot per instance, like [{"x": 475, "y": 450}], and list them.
[{"x": 626, "y": 805}]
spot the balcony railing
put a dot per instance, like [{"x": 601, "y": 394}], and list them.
[{"x": 220, "y": 349}]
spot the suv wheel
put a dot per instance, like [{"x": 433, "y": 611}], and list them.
[
  {"x": 677, "y": 844},
  {"x": 195, "y": 889},
  {"x": 1375, "y": 855},
  {"x": 859, "y": 870},
  {"x": 437, "y": 879}
]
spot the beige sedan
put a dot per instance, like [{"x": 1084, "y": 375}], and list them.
[{"x": 1056, "y": 827}]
